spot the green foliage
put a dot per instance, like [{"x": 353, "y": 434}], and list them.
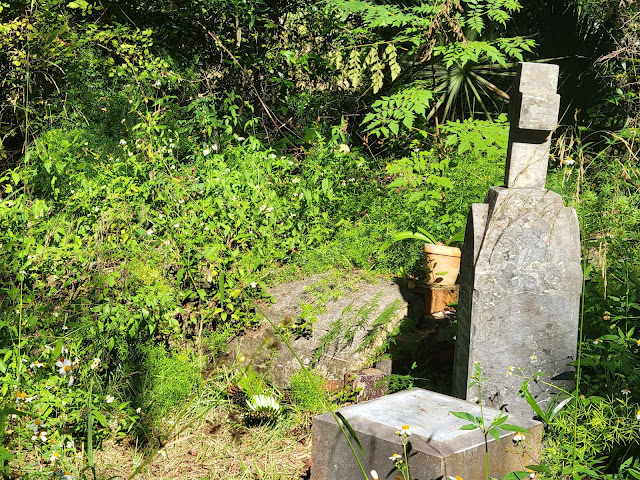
[
  {"x": 400, "y": 108},
  {"x": 343, "y": 330},
  {"x": 168, "y": 379},
  {"x": 306, "y": 390},
  {"x": 481, "y": 423},
  {"x": 590, "y": 436},
  {"x": 446, "y": 34},
  {"x": 252, "y": 383}
]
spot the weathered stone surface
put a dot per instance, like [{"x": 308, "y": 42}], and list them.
[
  {"x": 534, "y": 115},
  {"x": 439, "y": 447},
  {"x": 367, "y": 380},
  {"x": 354, "y": 318},
  {"x": 520, "y": 288}
]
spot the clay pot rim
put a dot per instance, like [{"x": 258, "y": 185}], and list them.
[{"x": 442, "y": 250}]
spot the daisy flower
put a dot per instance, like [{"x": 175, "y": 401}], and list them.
[
  {"x": 42, "y": 435},
  {"x": 36, "y": 425},
  {"x": 21, "y": 397},
  {"x": 64, "y": 368}
]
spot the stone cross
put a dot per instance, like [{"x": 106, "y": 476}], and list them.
[
  {"x": 520, "y": 278},
  {"x": 534, "y": 116}
]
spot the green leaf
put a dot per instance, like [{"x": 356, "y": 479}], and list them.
[
  {"x": 469, "y": 426},
  {"x": 100, "y": 417},
  {"x": 5, "y": 456},
  {"x": 180, "y": 274},
  {"x": 533, "y": 404},
  {"x": 495, "y": 433},
  {"x": 78, "y": 4},
  {"x": 351, "y": 431},
  {"x": 499, "y": 420},
  {"x": 508, "y": 427},
  {"x": 516, "y": 476},
  {"x": 58, "y": 349},
  {"x": 464, "y": 416},
  {"x": 398, "y": 182},
  {"x": 542, "y": 468}
]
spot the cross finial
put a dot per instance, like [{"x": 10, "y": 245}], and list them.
[{"x": 534, "y": 115}]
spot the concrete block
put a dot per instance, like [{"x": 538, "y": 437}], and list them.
[{"x": 439, "y": 447}]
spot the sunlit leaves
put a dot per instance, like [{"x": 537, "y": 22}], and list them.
[
  {"x": 352, "y": 76},
  {"x": 400, "y": 109}
]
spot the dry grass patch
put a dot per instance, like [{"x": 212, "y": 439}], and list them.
[{"x": 218, "y": 446}]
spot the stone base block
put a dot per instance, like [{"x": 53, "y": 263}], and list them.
[
  {"x": 439, "y": 447},
  {"x": 437, "y": 298}
]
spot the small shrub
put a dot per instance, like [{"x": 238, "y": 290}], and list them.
[
  {"x": 308, "y": 393},
  {"x": 168, "y": 380}
]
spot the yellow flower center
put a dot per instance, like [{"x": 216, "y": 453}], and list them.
[
  {"x": 22, "y": 395},
  {"x": 38, "y": 422},
  {"x": 56, "y": 454},
  {"x": 67, "y": 368},
  {"x": 405, "y": 427}
]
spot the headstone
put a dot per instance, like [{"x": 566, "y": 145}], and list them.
[
  {"x": 521, "y": 277},
  {"x": 353, "y": 318},
  {"x": 534, "y": 116},
  {"x": 439, "y": 448}
]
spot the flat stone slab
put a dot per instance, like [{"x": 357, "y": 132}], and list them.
[
  {"x": 439, "y": 447},
  {"x": 353, "y": 317}
]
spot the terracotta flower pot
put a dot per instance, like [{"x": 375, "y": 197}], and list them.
[{"x": 443, "y": 262}]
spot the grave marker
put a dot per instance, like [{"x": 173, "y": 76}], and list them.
[
  {"x": 521, "y": 277},
  {"x": 439, "y": 447}
]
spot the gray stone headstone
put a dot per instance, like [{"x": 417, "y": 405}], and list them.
[
  {"x": 439, "y": 447},
  {"x": 521, "y": 278},
  {"x": 534, "y": 116}
]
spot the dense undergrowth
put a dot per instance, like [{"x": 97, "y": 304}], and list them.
[{"x": 155, "y": 187}]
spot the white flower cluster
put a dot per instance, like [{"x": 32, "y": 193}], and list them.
[
  {"x": 38, "y": 427},
  {"x": 95, "y": 363},
  {"x": 264, "y": 404}
]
